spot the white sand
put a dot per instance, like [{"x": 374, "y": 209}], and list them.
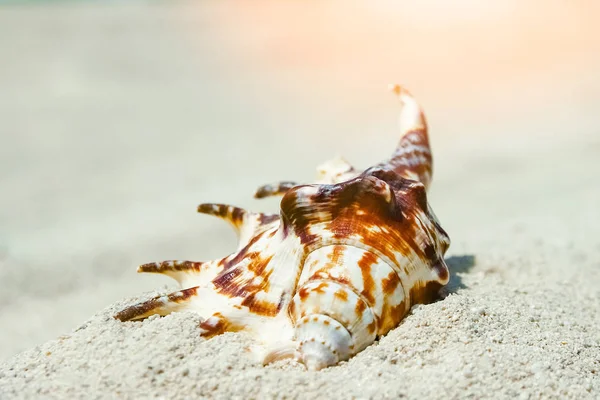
[{"x": 117, "y": 120}]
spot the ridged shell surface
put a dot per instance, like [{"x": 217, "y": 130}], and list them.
[{"x": 348, "y": 291}]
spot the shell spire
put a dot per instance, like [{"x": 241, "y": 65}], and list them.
[{"x": 339, "y": 266}]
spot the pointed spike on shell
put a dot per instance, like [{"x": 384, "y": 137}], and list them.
[
  {"x": 177, "y": 270},
  {"x": 411, "y": 115},
  {"x": 232, "y": 214},
  {"x": 416, "y": 194},
  {"x": 382, "y": 188},
  {"x": 412, "y": 158},
  {"x": 159, "y": 305},
  {"x": 186, "y": 273},
  {"x": 171, "y": 267},
  {"x": 274, "y": 189}
]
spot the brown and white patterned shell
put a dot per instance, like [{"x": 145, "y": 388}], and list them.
[{"x": 340, "y": 265}]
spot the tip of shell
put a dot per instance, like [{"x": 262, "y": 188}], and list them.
[
  {"x": 396, "y": 88},
  {"x": 316, "y": 356}
]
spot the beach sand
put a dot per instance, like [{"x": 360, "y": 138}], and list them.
[{"x": 117, "y": 120}]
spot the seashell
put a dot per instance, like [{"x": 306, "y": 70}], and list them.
[{"x": 340, "y": 265}]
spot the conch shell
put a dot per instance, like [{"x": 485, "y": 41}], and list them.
[{"x": 341, "y": 264}]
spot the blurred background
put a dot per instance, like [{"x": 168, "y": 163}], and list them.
[{"x": 118, "y": 118}]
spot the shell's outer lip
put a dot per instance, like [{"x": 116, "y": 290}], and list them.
[
  {"x": 432, "y": 239},
  {"x": 401, "y": 275}
]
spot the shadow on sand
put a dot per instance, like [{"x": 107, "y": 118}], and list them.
[{"x": 458, "y": 265}]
